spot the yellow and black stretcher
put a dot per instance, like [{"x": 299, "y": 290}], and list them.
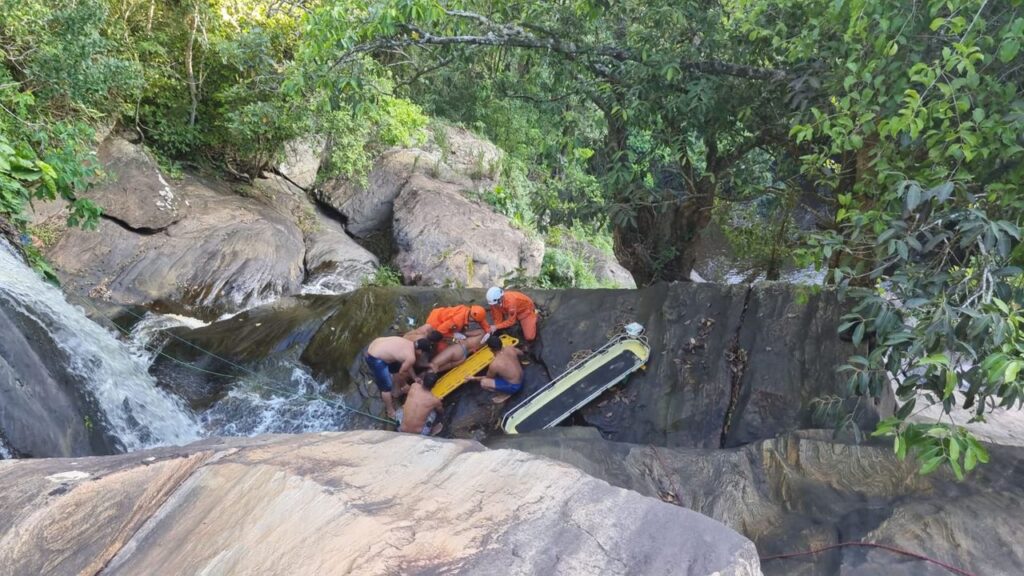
[
  {"x": 578, "y": 385},
  {"x": 476, "y": 362}
]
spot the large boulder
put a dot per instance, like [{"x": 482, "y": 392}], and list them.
[
  {"x": 333, "y": 504},
  {"x": 367, "y": 207},
  {"x": 229, "y": 253},
  {"x": 451, "y": 156},
  {"x": 606, "y": 269},
  {"x": 445, "y": 239},
  {"x": 135, "y": 192},
  {"x": 807, "y": 491},
  {"x": 335, "y": 263},
  {"x": 729, "y": 364},
  {"x": 301, "y": 162},
  {"x": 466, "y": 153}
]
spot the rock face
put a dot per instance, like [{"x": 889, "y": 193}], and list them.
[
  {"x": 198, "y": 246},
  {"x": 42, "y": 410},
  {"x": 135, "y": 192},
  {"x": 465, "y": 153},
  {"x": 229, "y": 253},
  {"x": 368, "y": 209},
  {"x": 301, "y": 161},
  {"x": 334, "y": 262},
  {"x": 729, "y": 365},
  {"x": 366, "y": 502},
  {"x": 805, "y": 491},
  {"x": 607, "y": 270},
  {"x": 444, "y": 239}
]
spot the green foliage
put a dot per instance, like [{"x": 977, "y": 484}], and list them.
[
  {"x": 562, "y": 269},
  {"x": 383, "y": 277},
  {"x": 917, "y": 135}
]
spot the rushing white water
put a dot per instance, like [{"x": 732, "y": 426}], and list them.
[
  {"x": 5, "y": 453},
  {"x": 289, "y": 405},
  {"x": 330, "y": 284},
  {"x": 150, "y": 333},
  {"x": 139, "y": 414}
]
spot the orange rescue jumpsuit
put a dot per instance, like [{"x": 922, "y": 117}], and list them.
[
  {"x": 516, "y": 307},
  {"x": 454, "y": 319}
]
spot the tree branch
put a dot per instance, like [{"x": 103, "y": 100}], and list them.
[{"x": 512, "y": 35}]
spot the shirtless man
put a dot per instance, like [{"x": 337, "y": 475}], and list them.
[
  {"x": 393, "y": 355},
  {"x": 421, "y": 408},
  {"x": 453, "y": 355},
  {"x": 505, "y": 374}
]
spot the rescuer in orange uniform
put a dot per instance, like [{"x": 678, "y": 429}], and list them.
[
  {"x": 455, "y": 324},
  {"x": 509, "y": 307}
]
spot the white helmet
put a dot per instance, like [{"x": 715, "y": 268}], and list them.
[{"x": 494, "y": 295}]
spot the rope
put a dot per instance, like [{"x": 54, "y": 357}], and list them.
[
  {"x": 953, "y": 569},
  {"x": 579, "y": 356},
  {"x": 262, "y": 380}
]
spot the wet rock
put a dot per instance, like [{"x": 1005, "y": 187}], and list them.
[
  {"x": 445, "y": 239},
  {"x": 230, "y": 253},
  {"x": 335, "y": 263},
  {"x": 43, "y": 412},
  {"x": 332, "y": 503},
  {"x": 806, "y": 490},
  {"x": 728, "y": 365}
]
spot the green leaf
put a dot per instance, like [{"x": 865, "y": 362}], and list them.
[
  {"x": 1009, "y": 49},
  {"x": 950, "y": 384},
  {"x": 933, "y": 360},
  {"x": 954, "y": 449},
  {"x": 1010, "y": 374},
  {"x": 955, "y": 465},
  {"x": 970, "y": 458},
  {"x": 858, "y": 334},
  {"x": 931, "y": 465}
]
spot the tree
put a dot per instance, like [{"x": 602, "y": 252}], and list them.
[{"x": 683, "y": 101}]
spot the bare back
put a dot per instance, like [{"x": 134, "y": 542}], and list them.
[
  {"x": 393, "y": 349},
  {"x": 418, "y": 405},
  {"x": 506, "y": 366}
]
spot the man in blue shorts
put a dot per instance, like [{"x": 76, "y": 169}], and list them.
[
  {"x": 505, "y": 374},
  {"x": 393, "y": 355}
]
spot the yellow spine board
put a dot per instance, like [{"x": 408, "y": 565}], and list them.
[{"x": 470, "y": 366}]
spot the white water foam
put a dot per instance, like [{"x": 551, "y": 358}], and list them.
[
  {"x": 149, "y": 334},
  {"x": 330, "y": 285},
  {"x": 139, "y": 414},
  {"x": 293, "y": 405}
]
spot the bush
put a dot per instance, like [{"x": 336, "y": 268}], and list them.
[{"x": 384, "y": 276}]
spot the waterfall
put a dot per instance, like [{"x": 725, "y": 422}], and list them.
[{"x": 137, "y": 412}]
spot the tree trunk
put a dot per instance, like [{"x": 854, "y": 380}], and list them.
[
  {"x": 662, "y": 245},
  {"x": 193, "y": 89}
]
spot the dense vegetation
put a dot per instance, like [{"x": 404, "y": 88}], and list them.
[{"x": 898, "y": 127}]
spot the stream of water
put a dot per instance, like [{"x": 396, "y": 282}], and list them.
[{"x": 138, "y": 412}]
